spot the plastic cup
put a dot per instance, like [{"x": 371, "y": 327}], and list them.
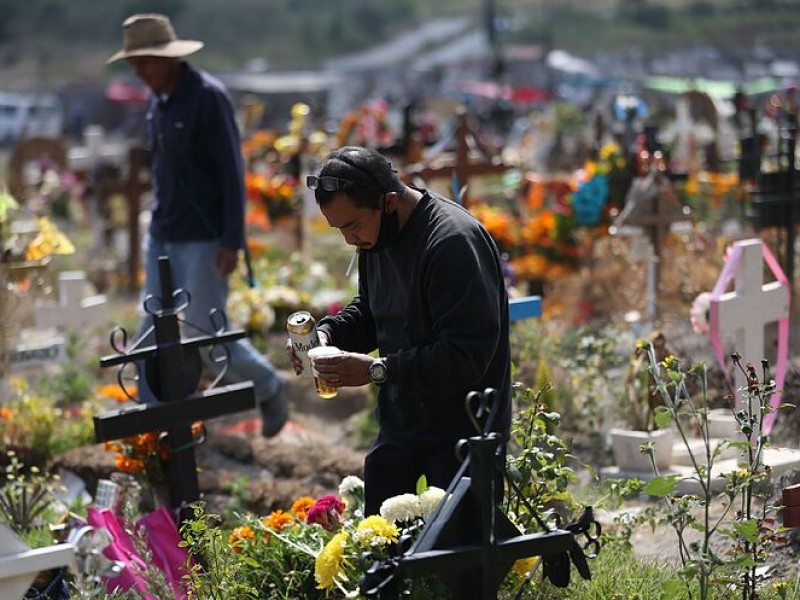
[{"x": 323, "y": 390}]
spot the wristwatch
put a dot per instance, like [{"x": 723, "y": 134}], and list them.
[{"x": 378, "y": 374}]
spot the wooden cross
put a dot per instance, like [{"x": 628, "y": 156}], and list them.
[
  {"x": 136, "y": 183},
  {"x": 461, "y": 167},
  {"x": 172, "y": 368},
  {"x": 653, "y": 205},
  {"x": 749, "y": 307},
  {"x": 469, "y": 543},
  {"x": 73, "y": 310},
  {"x": 19, "y": 565}
]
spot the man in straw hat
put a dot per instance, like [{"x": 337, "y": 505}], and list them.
[{"x": 198, "y": 192}]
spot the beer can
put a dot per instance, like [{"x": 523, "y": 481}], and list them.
[{"x": 302, "y": 330}]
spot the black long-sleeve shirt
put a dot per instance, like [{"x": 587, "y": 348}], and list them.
[{"x": 435, "y": 306}]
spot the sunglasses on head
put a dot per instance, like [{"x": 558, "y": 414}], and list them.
[{"x": 327, "y": 183}]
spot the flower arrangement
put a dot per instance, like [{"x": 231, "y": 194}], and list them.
[
  {"x": 146, "y": 455},
  {"x": 272, "y": 195},
  {"x": 37, "y": 428}
]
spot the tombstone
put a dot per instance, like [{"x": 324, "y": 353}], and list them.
[
  {"x": 460, "y": 166},
  {"x": 745, "y": 311},
  {"x": 73, "y": 309},
  {"x": 469, "y": 543},
  {"x": 19, "y": 565},
  {"x": 172, "y": 367},
  {"x": 36, "y": 349}
]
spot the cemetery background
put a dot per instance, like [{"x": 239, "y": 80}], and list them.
[{"x": 597, "y": 299}]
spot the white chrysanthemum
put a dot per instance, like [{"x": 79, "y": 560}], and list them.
[
  {"x": 351, "y": 486},
  {"x": 429, "y": 500},
  {"x": 401, "y": 509}
]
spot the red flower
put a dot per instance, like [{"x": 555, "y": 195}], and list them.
[{"x": 327, "y": 512}]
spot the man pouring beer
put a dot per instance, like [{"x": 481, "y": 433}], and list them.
[{"x": 431, "y": 300}]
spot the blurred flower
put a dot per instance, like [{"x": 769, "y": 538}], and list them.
[{"x": 699, "y": 313}]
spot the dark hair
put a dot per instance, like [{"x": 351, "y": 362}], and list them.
[{"x": 372, "y": 176}]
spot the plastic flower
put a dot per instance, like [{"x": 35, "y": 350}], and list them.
[
  {"x": 700, "y": 312},
  {"x": 401, "y": 509},
  {"x": 327, "y": 512},
  {"x": 330, "y": 561},
  {"x": 278, "y": 520},
  {"x": 375, "y": 531},
  {"x": 429, "y": 500},
  {"x": 301, "y": 507}
]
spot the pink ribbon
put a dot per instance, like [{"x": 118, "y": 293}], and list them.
[{"x": 725, "y": 278}]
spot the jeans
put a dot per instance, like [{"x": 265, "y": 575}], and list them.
[{"x": 192, "y": 268}]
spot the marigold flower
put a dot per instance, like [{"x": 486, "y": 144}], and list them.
[
  {"x": 240, "y": 536},
  {"x": 278, "y": 520},
  {"x": 115, "y": 392},
  {"x": 126, "y": 464},
  {"x": 330, "y": 561},
  {"x": 6, "y": 413},
  {"x": 301, "y": 507}
]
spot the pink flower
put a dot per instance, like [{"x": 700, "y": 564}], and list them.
[
  {"x": 699, "y": 314},
  {"x": 327, "y": 512}
]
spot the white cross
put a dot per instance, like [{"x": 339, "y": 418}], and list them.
[
  {"x": 19, "y": 565},
  {"x": 753, "y": 304},
  {"x": 74, "y": 309}
]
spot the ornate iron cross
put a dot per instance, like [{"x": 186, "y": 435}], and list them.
[{"x": 173, "y": 368}]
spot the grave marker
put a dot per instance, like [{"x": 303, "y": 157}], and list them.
[
  {"x": 19, "y": 565},
  {"x": 469, "y": 543},
  {"x": 73, "y": 309},
  {"x": 461, "y": 166},
  {"x": 172, "y": 368},
  {"x": 748, "y": 308}
]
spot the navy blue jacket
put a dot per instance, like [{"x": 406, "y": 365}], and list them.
[{"x": 198, "y": 171}]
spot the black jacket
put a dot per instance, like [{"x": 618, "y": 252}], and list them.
[{"x": 434, "y": 303}]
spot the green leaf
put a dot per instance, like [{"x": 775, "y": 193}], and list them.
[
  {"x": 663, "y": 417},
  {"x": 671, "y": 588},
  {"x": 748, "y": 530},
  {"x": 661, "y": 486},
  {"x": 422, "y": 484}
]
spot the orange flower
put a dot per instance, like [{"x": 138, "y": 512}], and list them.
[
  {"x": 301, "y": 507},
  {"x": 6, "y": 413},
  {"x": 126, "y": 464},
  {"x": 239, "y": 536},
  {"x": 277, "y": 520},
  {"x": 112, "y": 446},
  {"x": 115, "y": 392}
]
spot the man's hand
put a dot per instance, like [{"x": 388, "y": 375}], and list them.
[
  {"x": 226, "y": 261},
  {"x": 297, "y": 364},
  {"x": 345, "y": 369}
]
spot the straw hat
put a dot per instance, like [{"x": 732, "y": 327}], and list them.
[{"x": 152, "y": 35}]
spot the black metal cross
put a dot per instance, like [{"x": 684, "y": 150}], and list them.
[
  {"x": 172, "y": 368},
  {"x": 469, "y": 543}
]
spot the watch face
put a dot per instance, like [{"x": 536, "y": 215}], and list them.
[{"x": 377, "y": 372}]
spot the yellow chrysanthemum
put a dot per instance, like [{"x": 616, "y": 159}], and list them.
[
  {"x": 330, "y": 561},
  {"x": 523, "y": 566},
  {"x": 376, "y": 531}
]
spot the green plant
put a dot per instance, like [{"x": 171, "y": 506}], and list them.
[
  {"x": 750, "y": 532},
  {"x": 25, "y": 498}
]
